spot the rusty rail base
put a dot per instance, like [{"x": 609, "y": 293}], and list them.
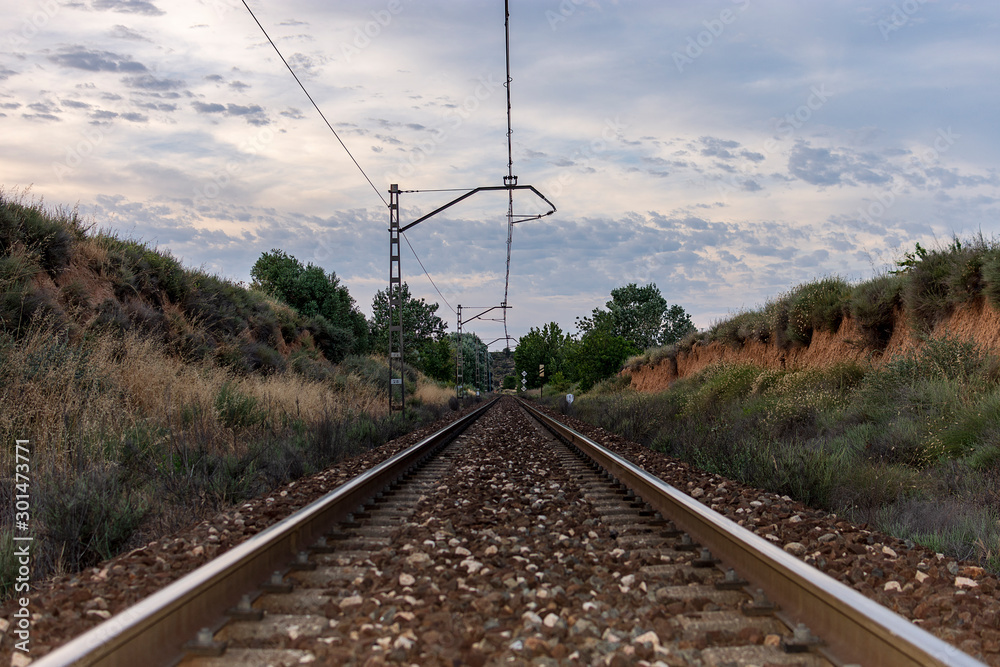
[
  {"x": 854, "y": 628},
  {"x": 152, "y": 631}
]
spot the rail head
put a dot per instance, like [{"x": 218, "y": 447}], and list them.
[
  {"x": 858, "y": 628},
  {"x": 151, "y": 631}
]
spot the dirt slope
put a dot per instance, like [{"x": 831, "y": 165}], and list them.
[{"x": 977, "y": 322}]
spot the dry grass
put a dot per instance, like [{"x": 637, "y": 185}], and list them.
[
  {"x": 431, "y": 393},
  {"x": 60, "y": 395}
]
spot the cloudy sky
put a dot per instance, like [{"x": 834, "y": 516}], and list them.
[{"x": 725, "y": 150}]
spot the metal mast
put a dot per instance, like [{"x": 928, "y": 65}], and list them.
[{"x": 395, "y": 297}]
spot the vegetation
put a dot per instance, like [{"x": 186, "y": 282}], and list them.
[
  {"x": 909, "y": 447},
  {"x": 908, "y": 444},
  {"x": 636, "y": 317},
  {"x": 152, "y": 394},
  {"x": 336, "y": 324},
  {"x": 424, "y": 334}
]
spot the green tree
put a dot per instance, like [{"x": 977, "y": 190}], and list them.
[
  {"x": 676, "y": 325},
  {"x": 599, "y": 355},
  {"x": 545, "y": 346},
  {"x": 473, "y": 348},
  {"x": 338, "y": 327},
  {"x": 639, "y": 315},
  {"x": 423, "y": 332}
]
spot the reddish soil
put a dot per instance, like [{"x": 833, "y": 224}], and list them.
[{"x": 977, "y": 322}]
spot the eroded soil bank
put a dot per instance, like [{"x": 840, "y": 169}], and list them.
[{"x": 977, "y": 322}]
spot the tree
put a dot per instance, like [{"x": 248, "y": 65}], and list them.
[
  {"x": 639, "y": 315},
  {"x": 338, "y": 327},
  {"x": 676, "y": 325},
  {"x": 599, "y": 355},
  {"x": 545, "y": 346},
  {"x": 423, "y": 332}
]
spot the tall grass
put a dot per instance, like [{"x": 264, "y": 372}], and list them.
[
  {"x": 152, "y": 394},
  {"x": 910, "y": 446}
]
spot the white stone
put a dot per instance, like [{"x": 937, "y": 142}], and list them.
[
  {"x": 19, "y": 659},
  {"x": 407, "y": 579},
  {"x": 352, "y": 601},
  {"x": 647, "y": 638},
  {"x": 551, "y": 620},
  {"x": 462, "y": 551},
  {"x": 965, "y": 582},
  {"x": 892, "y": 586},
  {"x": 921, "y": 577},
  {"x": 628, "y": 580},
  {"x": 889, "y": 552}
]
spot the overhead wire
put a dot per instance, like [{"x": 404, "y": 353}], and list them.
[
  {"x": 329, "y": 125},
  {"x": 415, "y": 256},
  {"x": 316, "y": 106},
  {"x": 510, "y": 180}
]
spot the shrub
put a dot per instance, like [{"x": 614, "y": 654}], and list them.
[
  {"x": 817, "y": 306},
  {"x": 88, "y": 515},
  {"x": 926, "y": 294},
  {"x": 874, "y": 306},
  {"x": 965, "y": 280},
  {"x": 990, "y": 271},
  {"x": 236, "y": 409}
]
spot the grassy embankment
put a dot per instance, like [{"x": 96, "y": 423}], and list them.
[
  {"x": 910, "y": 446},
  {"x": 153, "y": 395}
]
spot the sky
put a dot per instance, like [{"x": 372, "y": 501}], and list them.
[{"x": 724, "y": 150}]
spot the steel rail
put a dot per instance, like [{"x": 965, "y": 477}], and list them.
[
  {"x": 151, "y": 631},
  {"x": 853, "y": 627}
]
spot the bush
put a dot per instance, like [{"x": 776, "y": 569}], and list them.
[
  {"x": 816, "y": 306},
  {"x": 874, "y": 305},
  {"x": 87, "y": 516},
  {"x": 926, "y": 294},
  {"x": 236, "y": 409},
  {"x": 990, "y": 271}
]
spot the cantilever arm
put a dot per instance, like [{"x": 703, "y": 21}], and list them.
[{"x": 483, "y": 189}]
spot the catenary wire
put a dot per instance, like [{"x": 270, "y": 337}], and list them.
[
  {"x": 316, "y": 106},
  {"x": 426, "y": 273}
]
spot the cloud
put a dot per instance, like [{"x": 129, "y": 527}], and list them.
[
  {"x": 124, "y": 32},
  {"x": 823, "y": 166},
  {"x": 40, "y": 116},
  {"x": 719, "y": 148},
  {"x": 150, "y": 82},
  {"x": 239, "y": 86},
  {"x": 80, "y": 57},
  {"x": 254, "y": 114},
  {"x": 75, "y": 104},
  {"x": 6, "y": 73},
  {"x": 103, "y": 115},
  {"x": 129, "y": 7}
]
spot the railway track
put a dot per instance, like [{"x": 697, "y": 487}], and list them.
[{"x": 493, "y": 542}]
